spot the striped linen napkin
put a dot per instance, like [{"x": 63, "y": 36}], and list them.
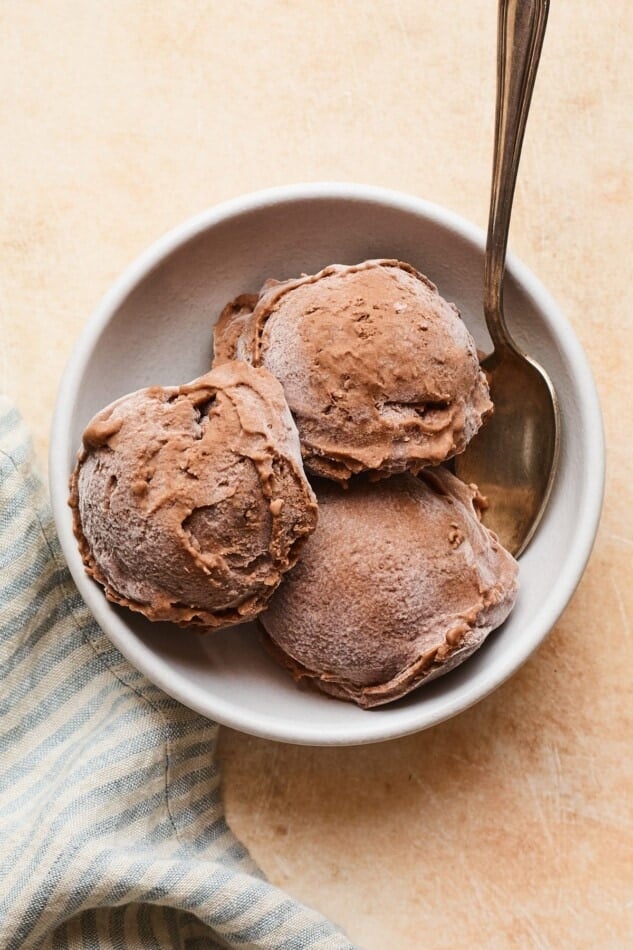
[{"x": 112, "y": 831}]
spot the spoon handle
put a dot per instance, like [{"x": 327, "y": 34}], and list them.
[{"x": 520, "y": 34}]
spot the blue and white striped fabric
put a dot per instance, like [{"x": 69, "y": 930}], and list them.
[{"x": 112, "y": 831}]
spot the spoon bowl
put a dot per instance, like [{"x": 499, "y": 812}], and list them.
[{"x": 512, "y": 459}]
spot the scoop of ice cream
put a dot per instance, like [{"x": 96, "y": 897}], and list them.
[
  {"x": 190, "y": 502},
  {"x": 379, "y": 371},
  {"x": 399, "y": 583}
]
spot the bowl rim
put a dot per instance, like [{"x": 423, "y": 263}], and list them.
[{"x": 412, "y": 718}]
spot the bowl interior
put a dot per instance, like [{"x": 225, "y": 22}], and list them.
[{"x": 155, "y": 327}]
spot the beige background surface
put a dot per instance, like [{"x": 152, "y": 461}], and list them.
[{"x": 512, "y": 825}]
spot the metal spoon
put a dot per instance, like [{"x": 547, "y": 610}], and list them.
[{"x": 514, "y": 456}]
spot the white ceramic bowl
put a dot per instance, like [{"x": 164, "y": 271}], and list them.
[{"x": 154, "y": 327}]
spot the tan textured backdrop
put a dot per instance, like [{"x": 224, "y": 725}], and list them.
[{"x": 512, "y": 825}]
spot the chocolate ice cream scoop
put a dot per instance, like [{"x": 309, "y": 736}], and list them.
[
  {"x": 379, "y": 371},
  {"x": 399, "y": 583},
  {"x": 190, "y": 502}
]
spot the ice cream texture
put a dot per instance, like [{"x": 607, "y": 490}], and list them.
[
  {"x": 399, "y": 584},
  {"x": 379, "y": 371},
  {"x": 190, "y": 502}
]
